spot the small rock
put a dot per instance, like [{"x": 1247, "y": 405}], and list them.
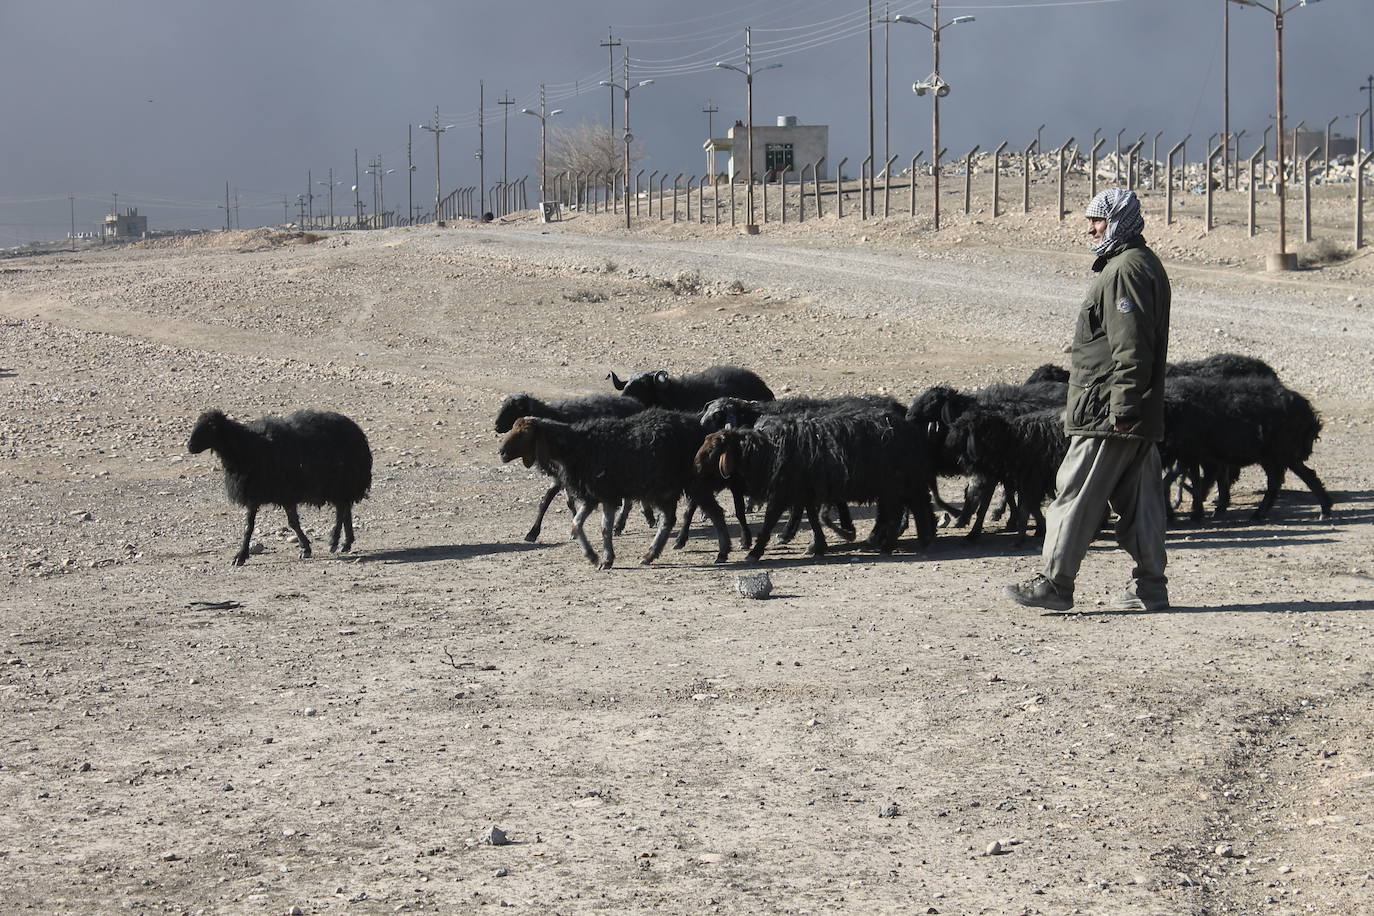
[
  {"x": 1226, "y": 850},
  {"x": 170, "y": 857},
  {"x": 493, "y": 836},
  {"x": 754, "y": 585},
  {"x": 295, "y": 911},
  {"x": 888, "y": 810},
  {"x": 85, "y": 767},
  {"x": 256, "y": 548},
  {"x": 502, "y": 872},
  {"x": 1285, "y": 869},
  {"x": 309, "y": 711},
  {"x": 994, "y": 848}
]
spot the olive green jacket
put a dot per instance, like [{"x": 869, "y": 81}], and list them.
[{"x": 1120, "y": 347}]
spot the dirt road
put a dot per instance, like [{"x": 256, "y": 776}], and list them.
[{"x": 883, "y": 735}]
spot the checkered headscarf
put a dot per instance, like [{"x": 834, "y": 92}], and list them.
[{"x": 1121, "y": 209}]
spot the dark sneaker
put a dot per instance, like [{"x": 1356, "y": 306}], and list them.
[
  {"x": 1039, "y": 592},
  {"x": 1130, "y": 601}
]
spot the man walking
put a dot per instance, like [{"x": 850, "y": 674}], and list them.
[{"x": 1115, "y": 417}]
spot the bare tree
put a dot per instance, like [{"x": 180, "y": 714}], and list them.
[{"x": 587, "y": 148}]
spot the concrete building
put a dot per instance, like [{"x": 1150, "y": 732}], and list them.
[
  {"x": 126, "y": 225},
  {"x": 786, "y": 147}
]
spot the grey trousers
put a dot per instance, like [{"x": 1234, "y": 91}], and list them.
[{"x": 1098, "y": 473}]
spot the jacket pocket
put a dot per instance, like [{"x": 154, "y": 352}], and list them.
[{"x": 1090, "y": 409}]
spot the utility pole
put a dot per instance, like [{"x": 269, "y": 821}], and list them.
[
  {"x": 629, "y": 138},
  {"x": 543, "y": 114},
  {"x": 237, "y": 224},
  {"x": 71, "y": 198},
  {"x": 887, "y": 84},
  {"x": 872, "y": 153},
  {"x": 505, "y": 134},
  {"x": 748, "y": 70},
  {"x": 310, "y": 196},
  {"x": 227, "y": 214},
  {"x": 1226, "y": 96},
  {"x": 710, "y": 110},
  {"x": 1367, "y": 88},
  {"x": 410, "y": 178},
  {"x": 437, "y": 130},
  {"x": 481, "y": 153},
  {"x": 330, "y": 185},
  {"x": 610, "y": 44},
  {"x": 357, "y": 198}
]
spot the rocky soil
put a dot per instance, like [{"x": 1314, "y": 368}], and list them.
[{"x": 341, "y": 734}]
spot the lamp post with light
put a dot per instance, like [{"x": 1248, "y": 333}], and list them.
[
  {"x": 543, "y": 114},
  {"x": 748, "y": 70},
  {"x": 938, "y": 89},
  {"x": 1282, "y": 259},
  {"x": 629, "y": 137}
]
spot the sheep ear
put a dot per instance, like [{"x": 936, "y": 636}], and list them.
[
  {"x": 616, "y": 380},
  {"x": 727, "y": 462},
  {"x": 661, "y": 378}
]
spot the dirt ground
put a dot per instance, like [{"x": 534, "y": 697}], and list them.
[{"x": 883, "y": 735}]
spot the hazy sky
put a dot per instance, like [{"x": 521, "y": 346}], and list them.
[{"x": 163, "y": 102}]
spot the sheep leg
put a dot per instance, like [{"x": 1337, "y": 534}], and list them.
[
  {"x": 770, "y": 521},
  {"x": 793, "y": 525},
  {"x": 624, "y": 516},
  {"x": 547, "y": 500},
  {"x": 348, "y": 529},
  {"x": 1275, "y": 474},
  {"x": 667, "y": 518},
  {"x": 342, "y": 513},
  {"x": 681, "y": 540},
  {"x": 923, "y": 515},
  {"x": 1309, "y": 477},
  {"x": 580, "y": 519},
  {"x": 981, "y": 510},
  {"x": 607, "y": 531},
  {"x": 294, "y": 520},
  {"x": 242, "y": 556},
  {"x": 842, "y": 524},
  {"x": 817, "y": 547},
  {"x": 745, "y": 536},
  {"x": 940, "y": 501}
]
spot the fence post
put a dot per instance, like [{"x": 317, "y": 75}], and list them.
[
  {"x": 839, "y": 188},
  {"x": 701, "y": 200},
  {"x": 1254, "y": 161},
  {"x": 816, "y": 183},
  {"x": 676, "y": 179},
  {"x": 1307, "y": 196},
  {"x": 887, "y": 186},
  {"x": 801, "y": 195},
  {"x": 968, "y": 178},
  {"x": 650, "y": 203},
  {"x": 1092, "y": 169},
  {"x": 1360, "y": 166},
  {"x": 1169, "y": 182},
  {"x": 1133, "y": 165},
  {"x": 715, "y": 198},
  {"x": 691, "y": 180},
  {"x": 912, "y": 183},
  {"x": 1207, "y": 176},
  {"x": 865, "y": 186},
  {"x": 1025, "y": 177},
  {"x": 732, "y": 201},
  {"x": 1062, "y": 150},
  {"x": 997, "y": 179},
  {"x": 763, "y": 186}
]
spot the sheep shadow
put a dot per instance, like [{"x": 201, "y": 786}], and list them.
[
  {"x": 438, "y": 552},
  {"x": 1299, "y": 606}
]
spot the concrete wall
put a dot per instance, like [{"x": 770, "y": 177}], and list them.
[{"x": 809, "y": 143}]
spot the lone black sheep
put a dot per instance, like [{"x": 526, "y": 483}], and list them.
[{"x": 309, "y": 457}]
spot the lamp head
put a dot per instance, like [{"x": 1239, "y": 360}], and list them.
[{"x": 958, "y": 19}]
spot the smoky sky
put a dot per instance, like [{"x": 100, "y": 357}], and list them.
[{"x": 164, "y": 102}]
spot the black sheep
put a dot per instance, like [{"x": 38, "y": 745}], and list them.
[
  {"x": 645, "y": 457},
  {"x": 864, "y": 456},
  {"x": 692, "y": 392},
  {"x": 568, "y": 410},
  {"x": 1022, "y": 453},
  {"x": 1049, "y": 372},
  {"x": 1221, "y": 423},
  {"x": 309, "y": 457}
]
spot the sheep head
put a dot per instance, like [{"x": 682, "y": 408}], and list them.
[
  {"x": 524, "y": 441},
  {"x": 719, "y": 452},
  {"x": 208, "y": 431},
  {"x": 513, "y": 408}
]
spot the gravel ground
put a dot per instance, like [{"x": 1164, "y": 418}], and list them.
[{"x": 880, "y": 735}]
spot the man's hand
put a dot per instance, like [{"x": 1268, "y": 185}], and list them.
[{"x": 1125, "y": 426}]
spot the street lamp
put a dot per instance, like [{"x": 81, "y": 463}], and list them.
[
  {"x": 1281, "y": 260},
  {"x": 748, "y": 70},
  {"x": 437, "y": 130},
  {"x": 543, "y": 114},
  {"x": 938, "y": 89},
  {"x": 629, "y": 137}
]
